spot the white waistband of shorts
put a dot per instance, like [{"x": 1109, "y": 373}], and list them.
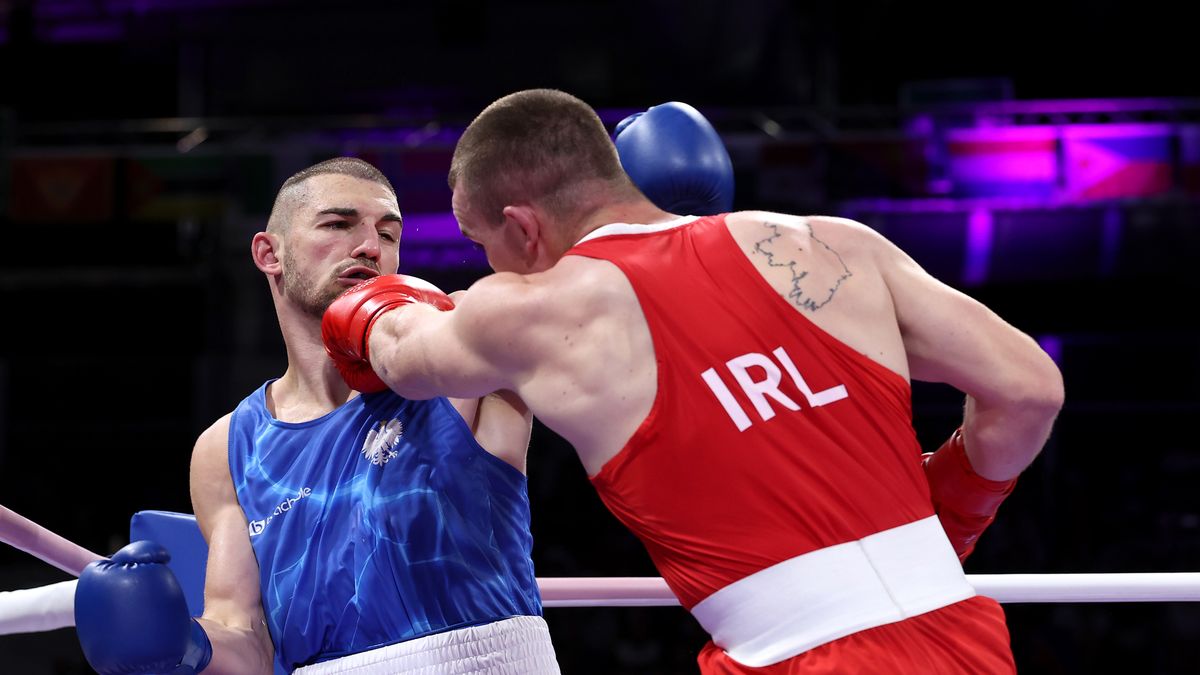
[
  {"x": 801, "y": 603},
  {"x": 516, "y": 646}
]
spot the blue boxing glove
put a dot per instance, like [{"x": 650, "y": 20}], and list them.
[
  {"x": 132, "y": 618},
  {"x": 676, "y": 159}
]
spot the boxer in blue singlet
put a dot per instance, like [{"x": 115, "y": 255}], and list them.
[{"x": 346, "y": 532}]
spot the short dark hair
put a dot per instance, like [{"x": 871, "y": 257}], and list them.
[
  {"x": 345, "y": 166},
  {"x": 534, "y": 144}
]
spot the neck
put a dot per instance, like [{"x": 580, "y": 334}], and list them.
[
  {"x": 311, "y": 381},
  {"x": 635, "y": 210}
]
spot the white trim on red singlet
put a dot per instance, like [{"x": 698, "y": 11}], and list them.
[{"x": 635, "y": 228}]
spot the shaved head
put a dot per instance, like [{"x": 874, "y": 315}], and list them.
[
  {"x": 537, "y": 145},
  {"x": 295, "y": 190}
]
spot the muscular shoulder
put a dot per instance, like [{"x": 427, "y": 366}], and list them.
[
  {"x": 587, "y": 283},
  {"x": 496, "y": 296},
  {"x": 214, "y": 439},
  {"x": 499, "y": 303},
  {"x": 848, "y": 235},
  {"x": 210, "y": 464},
  {"x": 523, "y": 305}
]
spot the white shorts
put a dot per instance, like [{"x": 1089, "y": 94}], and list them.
[{"x": 516, "y": 646}]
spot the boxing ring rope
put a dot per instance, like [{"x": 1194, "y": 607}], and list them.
[
  {"x": 48, "y": 607},
  {"x": 34, "y": 610},
  {"x": 51, "y": 607},
  {"x": 1005, "y": 588},
  {"x": 24, "y": 534}
]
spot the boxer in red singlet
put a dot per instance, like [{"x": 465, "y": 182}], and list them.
[{"x": 737, "y": 387}]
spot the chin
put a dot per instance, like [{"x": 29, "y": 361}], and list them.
[
  {"x": 316, "y": 304},
  {"x": 327, "y": 299}
]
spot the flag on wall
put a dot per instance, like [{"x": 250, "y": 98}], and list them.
[
  {"x": 168, "y": 186},
  {"x": 60, "y": 189},
  {"x": 1003, "y": 161},
  {"x": 1106, "y": 161}
]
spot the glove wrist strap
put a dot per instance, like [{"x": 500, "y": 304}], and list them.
[{"x": 199, "y": 651}]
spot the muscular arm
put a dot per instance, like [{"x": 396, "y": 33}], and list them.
[
  {"x": 233, "y": 616},
  {"x": 482, "y": 346},
  {"x": 1014, "y": 390},
  {"x": 501, "y": 423},
  {"x": 503, "y": 427}
]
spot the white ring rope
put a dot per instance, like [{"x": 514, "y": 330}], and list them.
[
  {"x": 34, "y": 610},
  {"x": 1006, "y": 588},
  {"x": 51, "y": 607}
]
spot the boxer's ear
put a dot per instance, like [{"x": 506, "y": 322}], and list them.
[
  {"x": 526, "y": 231},
  {"x": 266, "y": 252}
]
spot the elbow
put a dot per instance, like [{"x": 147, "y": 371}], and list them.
[
  {"x": 396, "y": 380},
  {"x": 1042, "y": 390},
  {"x": 1055, "y": 391},
  {"x": 404, "y": 376}
]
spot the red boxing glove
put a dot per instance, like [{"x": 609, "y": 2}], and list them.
[
  {"x": 347, "y": 323},
  {"x": 964, "y": 501}
]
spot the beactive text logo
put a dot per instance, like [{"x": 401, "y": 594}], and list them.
[{"x": 256, "y": 527}]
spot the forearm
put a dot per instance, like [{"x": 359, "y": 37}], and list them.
[
  {"x": 238, "y": 651},
  {"x": 976, "y": 469},
  {"x": 1011, "y": 403},
  {"x": 420, "y": 353},
  {"x": 398, "y": 347},
  {"x": 1013, "y": 388},
  {"x": 1002, "y": 438}
]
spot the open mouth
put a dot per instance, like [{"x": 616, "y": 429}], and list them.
[{"x": 357, "y": 274}]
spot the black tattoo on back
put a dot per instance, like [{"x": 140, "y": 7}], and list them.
[{"x": 799, "y": 296}]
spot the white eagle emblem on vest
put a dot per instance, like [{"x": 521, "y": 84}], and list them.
[{"x": 378, "y": 448}]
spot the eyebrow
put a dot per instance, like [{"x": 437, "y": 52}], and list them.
[{"x": 353, "y": 213}]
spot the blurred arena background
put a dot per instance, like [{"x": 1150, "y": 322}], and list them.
[{"x": 1043, "y": 157}]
